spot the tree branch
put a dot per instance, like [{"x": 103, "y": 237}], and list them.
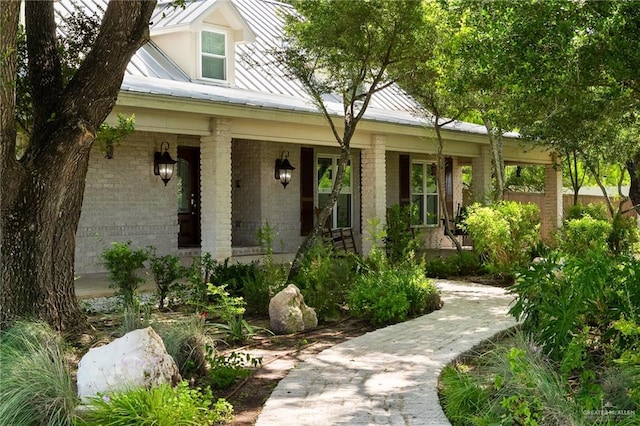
[{"x": 45, "y": 73}]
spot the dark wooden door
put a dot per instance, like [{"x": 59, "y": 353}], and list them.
[{"x": 188, "y": 171}]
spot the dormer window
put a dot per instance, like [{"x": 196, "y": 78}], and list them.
[{"x": 213, "y": 63}]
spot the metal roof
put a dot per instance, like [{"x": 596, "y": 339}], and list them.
[{"x": 260, "y": 80}]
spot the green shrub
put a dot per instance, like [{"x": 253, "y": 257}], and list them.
[
  {"x": 159, "y": 406},
  {"x": 166, "y": 271},
  {"x": 36, "y": 387},
  {"x": 558, "y": 298},
  {"x": 597, "y": 211},
  {"x": 193, "y": 293},
  {"x": 386, "y": 294},
  {"x": 123, "y": 262},
  {"x": 226, "y": 370},
  {"x": 504, "y": 233},
  {"x": 400, "y": 238},
  {"x": 624, "y": 235},
  {"x": 324, "y": 280},
  {"x": 257, "y": 291},
  {"x": 584, "y": 233},
  {"x": 464, "y": 263}
]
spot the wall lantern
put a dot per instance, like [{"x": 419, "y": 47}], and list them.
[
  {"x": 163, "y": 164},
  {"x": 283, "y": 169}
]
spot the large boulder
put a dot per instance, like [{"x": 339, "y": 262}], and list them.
[
  {"x": 289, "y": 314},
  {"x": 136, "y": 360}
]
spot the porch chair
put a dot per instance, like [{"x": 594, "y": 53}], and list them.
[{"x": 341, "y": 239}]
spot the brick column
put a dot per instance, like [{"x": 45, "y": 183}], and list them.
[
  {"x": 373, "y": 183},
  {"x": 481, "y": 175},
  {"x": 552, "y": 208},
  {"x": 215, "y": 184}
]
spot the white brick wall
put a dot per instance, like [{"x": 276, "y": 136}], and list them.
[{"x": 125, "y": 201}]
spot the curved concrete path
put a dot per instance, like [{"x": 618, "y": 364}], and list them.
[{"x": 389, "y": 376}]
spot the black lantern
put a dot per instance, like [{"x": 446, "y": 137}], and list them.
[
  {"x": 163, "y": 164},
  {"x": 283, "y": 169}
]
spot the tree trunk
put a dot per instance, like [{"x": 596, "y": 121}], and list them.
[
  {"x": 633, "y": 167},
  {"x": 495, "y": 141},
  {"x": 441, "y": 190},
  {"x": 42, "y": 192},
  {"x": 38, "y": 248}
]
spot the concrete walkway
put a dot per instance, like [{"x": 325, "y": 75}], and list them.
[{"x": 389, "y": 376}]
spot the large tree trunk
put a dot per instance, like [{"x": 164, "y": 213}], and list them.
[
  {"x": 633, "y": 167},
  {"x": 42, "y": 192},
  {"x": 39, "y": 241}
]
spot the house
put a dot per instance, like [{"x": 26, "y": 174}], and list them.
[{"x": 206, "y": 90}]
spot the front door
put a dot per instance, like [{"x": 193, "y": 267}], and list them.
[{"x": 188, "y": 169}]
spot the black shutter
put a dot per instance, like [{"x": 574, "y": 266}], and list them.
[
  {"x": 405, "y": 180},
  {"x": 306, "y": 191}
]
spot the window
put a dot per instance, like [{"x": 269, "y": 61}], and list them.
[
  {"x": 214, "y": 55},
  {"x": 327, "y": 167},
  {"x": 424, "y": 192}
]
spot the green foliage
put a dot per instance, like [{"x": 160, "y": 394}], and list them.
[
  {"x": 510, "y": 384},
  {"x": 624, "y": 235},
  {"x": 462, "y": 396},
  {"x": 109, "y": 136},
  {"x": 135, "y": 317},
  {"x": 524, "y": 178},
  {"x": 464, "y": 263},
  {"x": 557, "y": 299},
  {"x": 400, "y": 239},
  {"x": 324, "y": 280},
  {"x": 582, "y": 234},
  {"x": 238, "y": 331},
  {"x": 270, "y": 278},
  {"x": 35, "y": 384},
  {"x": 123, "y": 262},
  {"x": 226, "y": 370},
  {"x": 221, "y": 304},
  {"x": 504, "y": 233},
  {"x": 596, "y": 211},
  {"x": 166, "y": 271},
  {"x": 161, "y": 406},
  {"x": 386, "y": 294},
  {"x": 186, "y": 341}
]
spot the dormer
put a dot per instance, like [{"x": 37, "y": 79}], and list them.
[{"x": 201, "y": 37}]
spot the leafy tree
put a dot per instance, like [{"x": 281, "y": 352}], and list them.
[
  {"x": 346, "y": 49},
  {"x": 572, "y": 73},
  {"x": 42, "y": 189}
]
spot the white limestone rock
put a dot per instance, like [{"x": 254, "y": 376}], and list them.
[
  {"x": 136, "y": 360},
  {"x": 289, "y": 314}
]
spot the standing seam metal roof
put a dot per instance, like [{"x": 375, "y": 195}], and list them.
[{"x": 260, "y": 80}]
